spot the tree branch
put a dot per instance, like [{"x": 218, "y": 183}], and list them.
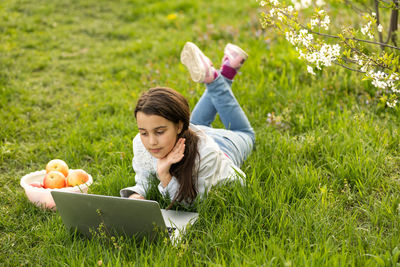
[
  {"x": 378, "y": 22},
  {"x": 344, "y": 66},
  {"x": 355, "y": 39}
]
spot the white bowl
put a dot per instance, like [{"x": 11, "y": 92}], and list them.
[{"x": 41, "y": 197}]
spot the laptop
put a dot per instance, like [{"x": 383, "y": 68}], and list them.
[{"x": 89, "y": 214}]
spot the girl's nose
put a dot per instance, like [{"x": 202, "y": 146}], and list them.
[{"x": 153, "y": 140}]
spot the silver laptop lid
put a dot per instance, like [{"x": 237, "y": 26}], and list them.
[{"x": 113, "y": 215}]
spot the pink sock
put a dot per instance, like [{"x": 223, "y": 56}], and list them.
[
  {"x": 215, "y": 74},
  {"x": 228, "y": 71}
]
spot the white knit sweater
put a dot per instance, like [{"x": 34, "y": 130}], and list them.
[{"x": 215, "y": 167}]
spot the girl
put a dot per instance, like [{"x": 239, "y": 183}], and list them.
[{"x": 185, "y": 153}]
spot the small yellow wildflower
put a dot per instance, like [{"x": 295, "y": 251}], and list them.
[{"x": 172, "y": 16}]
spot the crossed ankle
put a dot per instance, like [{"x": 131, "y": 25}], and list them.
[{"x": 228, "y": 71}]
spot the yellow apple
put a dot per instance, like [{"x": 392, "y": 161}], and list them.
[
  {"x": 57, "y": 165},
  {"x": 54, "y": 179},
  {"x": 77, "y": 177}
]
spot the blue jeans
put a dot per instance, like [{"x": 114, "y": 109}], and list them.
[{"x": 237, "y": 140}]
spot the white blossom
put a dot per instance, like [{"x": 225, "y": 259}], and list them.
[
  {"x": 380, "y": 28},
  {"x": 324, "y": 57},
  {"x": 310, "y": 70},
  {"x": 314, "y": 22},
  {"x": 297, "y": 5},
  {"x": 325, "y": 22},
  {"x": 305, "y": 38},
  {"x": 306, "y": 3},
  {"x": 366, "y": 30},
  {"x": 391, "y": 104},
  {"x": 320, "y": 3},
  {"x": 280, "y": 16},
  {"x": 301, "y": 4},
  {"x": 379, "y": 84},
  {"x": 291, "y": 37},
  {"x": 364, "y": 68},
  {"x": 382, "y": 80},
  {"x": 274, "y": 2},
  {"x": 394, "y": 76}
]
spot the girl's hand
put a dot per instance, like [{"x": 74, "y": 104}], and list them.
[
  {"x": 136, "y": 196},
  {"x": 164, "y": 164}
]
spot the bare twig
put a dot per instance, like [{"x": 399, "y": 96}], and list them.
[
  {"x": 357, "y": 9},
  {"x": 346, "y": 67}
]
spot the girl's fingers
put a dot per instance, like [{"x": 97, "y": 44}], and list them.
[
  {"x": 180, "y": 144},
  {"x": 177, "y": 152}
]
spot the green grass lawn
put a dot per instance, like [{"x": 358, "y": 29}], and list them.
[{"x": 322, "y": 184}]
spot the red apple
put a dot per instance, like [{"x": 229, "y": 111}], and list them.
[
  {"x": 54, "y": 179},
  {"x": 77, "y": 177},
  {"x": 57, "y": 165},
  {"x": 36, "y": 184}
]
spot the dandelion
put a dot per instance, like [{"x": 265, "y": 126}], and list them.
[{"x": 172, "y": 16}]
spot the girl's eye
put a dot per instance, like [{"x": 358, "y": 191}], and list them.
[
  {"x": 143, "y": 134},
  {"x": 159, "y": 133}
]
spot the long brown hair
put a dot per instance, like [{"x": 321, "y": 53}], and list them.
[{"x": 171, "y": 105}]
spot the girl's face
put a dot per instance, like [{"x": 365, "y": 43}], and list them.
[{"x": 158, "y": 134}]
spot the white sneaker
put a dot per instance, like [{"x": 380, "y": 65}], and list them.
[
  {"x": 200, "y": 67},
  {"x": 235, "y": 55}
]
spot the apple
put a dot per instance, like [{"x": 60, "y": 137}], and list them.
[
  {"x": 54, "y": 179},
  {"x": 36, "y": 184},
  {"x": 57, "y": 165},
  {"x": 77, "y": 177}
]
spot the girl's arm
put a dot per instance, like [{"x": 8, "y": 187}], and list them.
[
  {"x": 142, "y": 166},
  {"x": 136, "y": 196},
  {"x": 139, "y": 188}
]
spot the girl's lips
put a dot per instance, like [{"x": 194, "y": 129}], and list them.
[{"x": 155, "y": 150}]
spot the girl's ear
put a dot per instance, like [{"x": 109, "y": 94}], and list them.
[{"x": 180, "y": 127}]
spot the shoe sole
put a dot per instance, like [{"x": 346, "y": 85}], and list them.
[
  {"x": 237, "y": 49},
  {"x": 191, "y": 58}
]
